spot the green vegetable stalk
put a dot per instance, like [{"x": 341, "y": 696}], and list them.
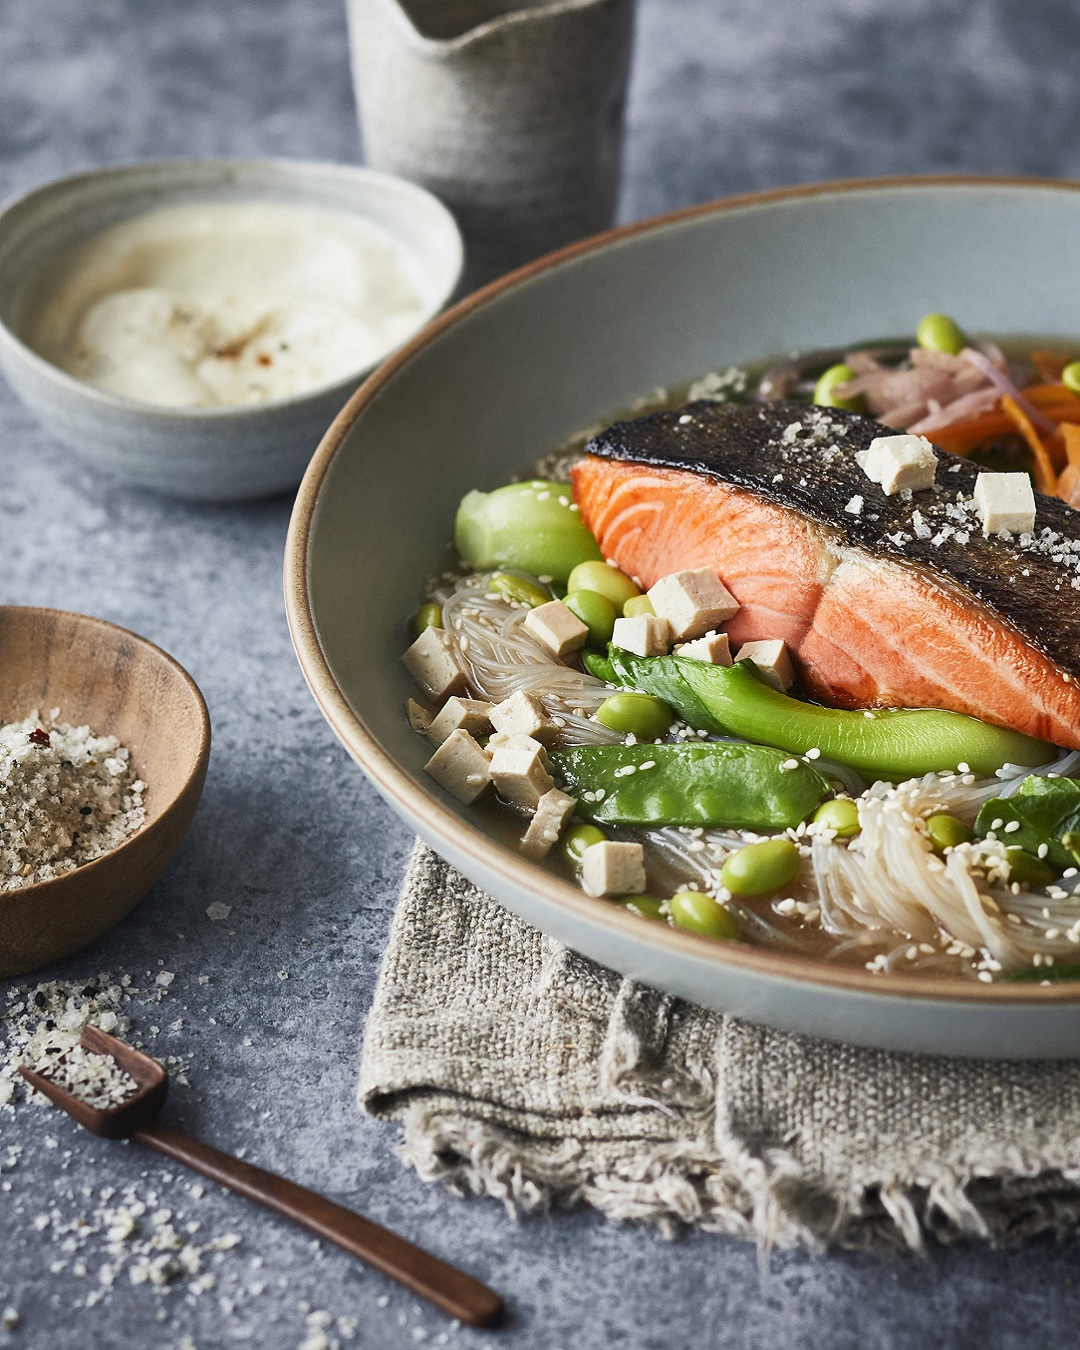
[
  {"x": 889, "y": 743},
  {"x": 527, "y": 525},
  {"x": 1038, "y": 974},
  {"x": 721, "y": 783}
]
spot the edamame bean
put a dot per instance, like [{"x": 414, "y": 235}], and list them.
[
  {"x": 945, "y": 831},
  {"x": 700, "y": 913},
  {"x": 597, "y": 611},
  {"x": 841, "y": 815},
  {"x": 517, "y": 588},
  {"x": 533, "y": 525},
  {"x": 605, "y": 579},
  {"x": 427, "y": 616},
  {"x": 640, "y": 715},
  {"x": 761, "y": 868},
  {"x": 825, "y": 395},
  {"x": 637, "y": 604},
  {"x": 1070, "y": 376},
  {"x": 939, "y": 333},
  {"x": 577, "y": 839},
  {"x": 644, "y": 906},
  {"x": 1028, "y": 870}
]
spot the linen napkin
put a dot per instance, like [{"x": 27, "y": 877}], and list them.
[{"x": 519, "y": 1069}]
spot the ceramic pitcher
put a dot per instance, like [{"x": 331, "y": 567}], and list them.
[{"x": 511, "y": 112}]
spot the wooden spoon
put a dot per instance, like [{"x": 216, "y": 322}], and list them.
[{"x": 452, "y": 1290}]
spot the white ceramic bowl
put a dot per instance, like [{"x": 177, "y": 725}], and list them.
[
  {"x": 214, "y": 454},
  {"x": 574, "y": 339}
]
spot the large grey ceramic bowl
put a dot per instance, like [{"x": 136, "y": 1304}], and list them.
[
  {"x": 515, "y": 369},
  {"x": 214, "y": 454}
]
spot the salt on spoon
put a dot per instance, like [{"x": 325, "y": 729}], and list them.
[{"x": 134, "y": 1118}]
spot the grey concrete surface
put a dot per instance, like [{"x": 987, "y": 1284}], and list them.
[{"x": 726, "y": 96}]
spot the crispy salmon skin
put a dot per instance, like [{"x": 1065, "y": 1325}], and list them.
[{"x": 883, "y": 601}]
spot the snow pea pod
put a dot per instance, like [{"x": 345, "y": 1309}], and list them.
[
  {"x": 596, "y": 663},
  {"x": 889, "y": 743},
  {"x": 722, "y": 783}
]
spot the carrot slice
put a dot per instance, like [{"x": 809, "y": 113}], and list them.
[
  {"x": 1069, "y": 482},
  {"x": 1045, "y": 473},
  {"x": 1062, "y": 412},
  {"x": 1072, "y": 444},
  {"x": 1049, "y": 395},
  {"x": 960, "y": 437}
]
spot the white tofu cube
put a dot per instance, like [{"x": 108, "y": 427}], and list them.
[
  {"x": 713, "y": 648},
  {"x": 516, "y": 741},
  {"x": 612, "y": 868},
  {"x": 461, "y": 766},
  {"x": 557, "y": 627},
  {"x": 553, "y": 810},
  {"x": 418, "y": 715},
  {"x": 522, "y": 714},
  {"x": 433, "y": 663},
  {"x": 898, "y": 462},
  {"x": 519, "y": 771},
  {"x": 644, "y": 635},
  {"x": 1005, "y": 503},
  {"x": 772, "y": 659},
  {"x": 692, "y": 602},
  {"x": 461, "y": 714}
]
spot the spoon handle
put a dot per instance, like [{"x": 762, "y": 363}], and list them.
[{"x": 452, "y": 1290}]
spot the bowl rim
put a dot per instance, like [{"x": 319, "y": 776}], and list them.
[
  {"x": 193, "y": 775},
  {"x": 410, "y": 797},
  {"x": 392, "y": 183}
]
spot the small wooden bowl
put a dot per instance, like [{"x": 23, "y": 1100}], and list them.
[{"x": 119, "y": 685}]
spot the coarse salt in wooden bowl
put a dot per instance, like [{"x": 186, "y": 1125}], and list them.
[{"x": 118, "y": 684}]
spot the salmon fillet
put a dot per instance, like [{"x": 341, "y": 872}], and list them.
[{"x": 883, "y": 601}]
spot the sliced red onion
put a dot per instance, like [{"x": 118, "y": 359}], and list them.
[
  {"x": 970, "y": 405},
  {"x": 901, "y": 414},
  {"x": 998, "y": 377},
  {"x": 994, "y": 352}
]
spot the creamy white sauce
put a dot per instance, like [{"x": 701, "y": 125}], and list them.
[{"x": 216, "y": 304}]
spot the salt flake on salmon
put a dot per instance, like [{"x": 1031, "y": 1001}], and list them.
[{"x": 878, "y": 608}]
